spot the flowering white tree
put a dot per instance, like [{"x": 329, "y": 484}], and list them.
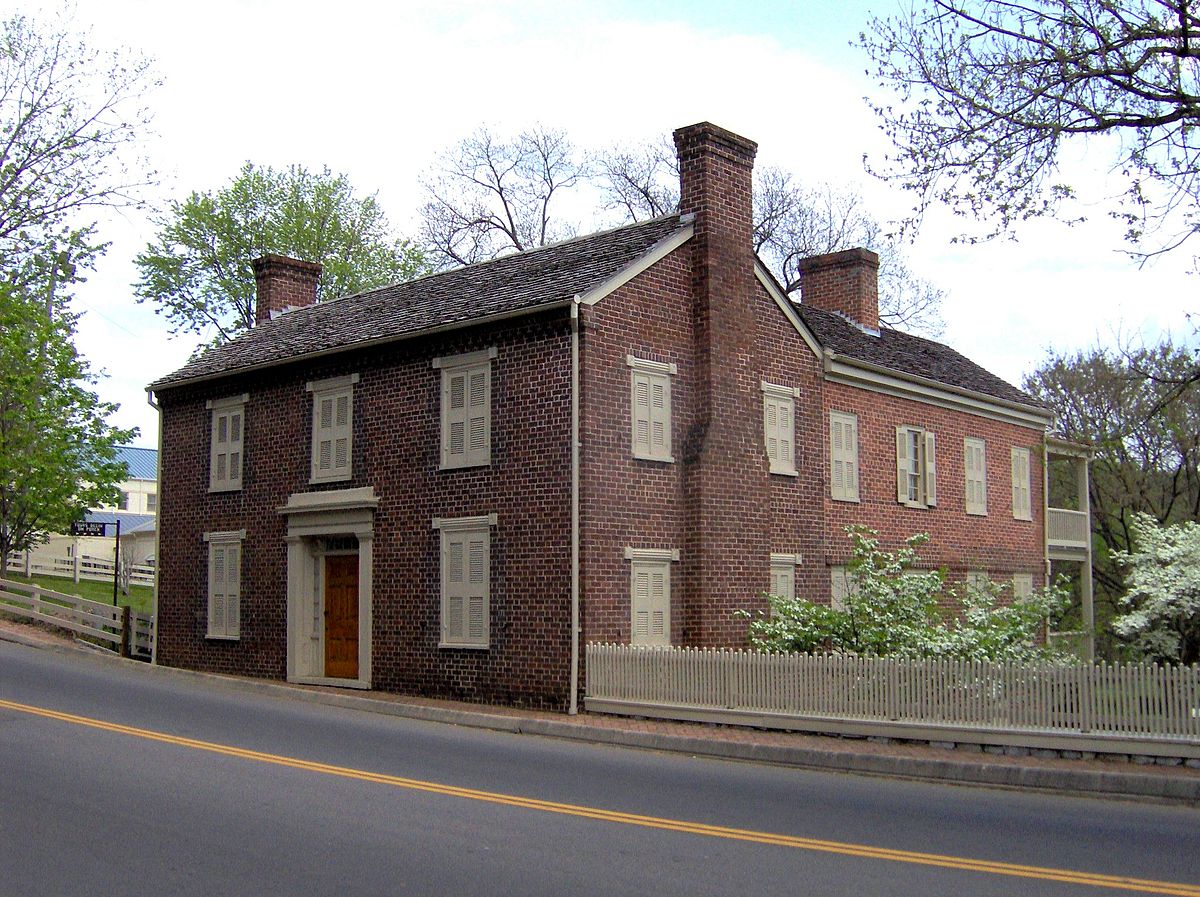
[
  {"x": 1162, "y": 606},
  {"x": 894, "y": 609}
]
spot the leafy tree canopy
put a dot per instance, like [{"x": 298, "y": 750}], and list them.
[
  {"x": 991, "y": 93},
  {"x": 197, "y": 272},
  {"x": 57, "y": 451}
]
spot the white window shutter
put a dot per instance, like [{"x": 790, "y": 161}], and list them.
[
  {"x": 1022, "y": 585},
  {"x": 843, "y": 456},
  {"x": 771, "y": 429},
  {"x": 465, "y": 586},
  {"x": 650, "y": 602},
  {"x": 216, "y": 590},
  {"x": 902, "y": 464},
  {"x": 233, "y": 591},
  {"x": 235, "y": 447},
  {"x": 333, "y": 429},
  {"x": 641, "y": 415},
  {"x": 1022, "y": 499},
  {"x": 930, "y": 470}
]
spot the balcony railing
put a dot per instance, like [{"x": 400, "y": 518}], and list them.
[{"x": 1067, "y": 529}]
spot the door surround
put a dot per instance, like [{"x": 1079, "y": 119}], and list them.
[{"x": 313, "y": 518}]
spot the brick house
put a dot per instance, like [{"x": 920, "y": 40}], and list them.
[{"x": 447, "y": 486}]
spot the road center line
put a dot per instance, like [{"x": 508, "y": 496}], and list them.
[{"x": 1147, "y": 886}]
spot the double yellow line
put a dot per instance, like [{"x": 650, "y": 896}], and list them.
[{"x": 673, "y": 825}]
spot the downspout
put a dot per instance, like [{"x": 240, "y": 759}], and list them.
[
  {"x": 157, "y": 529},
  {"x": 574, "y": 705}
]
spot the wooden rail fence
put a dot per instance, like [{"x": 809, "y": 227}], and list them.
[
  {"x": 1142, "y": 709},
  {"x": 126, "y": 631}
]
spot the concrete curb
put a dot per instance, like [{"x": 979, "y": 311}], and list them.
[{"x": 1083, "y": 782}]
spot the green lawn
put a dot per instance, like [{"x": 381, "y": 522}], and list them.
[{"x": 140, "y": 598}]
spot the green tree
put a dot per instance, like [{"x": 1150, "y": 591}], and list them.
[
  {"x": 57, "y": 451},
  {"x": 991, "y": 93},
  {"x": 1160, "y": 615},
  {"x": 197, "y": 271},
  {"x": 1145, "y": 432},
  {"x": 893, "y": 609}
]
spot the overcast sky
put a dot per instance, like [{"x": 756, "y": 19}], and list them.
[{"x": 376, "y": 90}]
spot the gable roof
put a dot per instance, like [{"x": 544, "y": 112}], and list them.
[
  {"x": 142, "y": 463},
  {"x": 908, "y": 354},
  {"x": 512, "y": 284}
]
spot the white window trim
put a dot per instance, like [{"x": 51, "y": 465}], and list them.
[
  {"x": 465, "y": 364},
  {"x": 977, "y": 509},
  {"x": 846, "y": 493},
  {"x": 449, "y": 526},
  {"x": 927, "y": 462},
  {"x": 649, "y": 561},
  {"x": 230, "y": 632},
  {"x": 651, "y": 554},
  {"x": 221, "y": 408},
  {"x": 330, "y": 388},
  {"x": 662, "y": 371},
  {"x": 1022, "y": 493},
  {"x": 773, "y": 392}
]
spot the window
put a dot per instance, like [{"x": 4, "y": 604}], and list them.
[
  {"x": 1022, "y": 585},
  {"x": 783, "y": 575},
  {"x": 779, "y": 427},
  {"x": 650, "y": 402},
  {"x": 650, "y": 594},
  {"x": 843, "y": 456},
  {"x": 840, "y": 587},
  {"x": 466, "y": 409},
  {"x": 151, "y": 502},
  {"x": 978, "y": 580},
  {"x": 1022, "y": 503},
  {"x": 224, "y": 584},
  {"x": 332, "y": 428},
  {"x": 123, "y": 502},
  {"x": 226, "y": 456},
  {"x": 916, "y": 468},
  {"x": 975, "y": 465},
  {"x": 466, "y": 577}
]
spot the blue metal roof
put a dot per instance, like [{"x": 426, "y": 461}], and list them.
[
  {"x": 142, "y": 463},
  {"x": 128, "y": 521}
]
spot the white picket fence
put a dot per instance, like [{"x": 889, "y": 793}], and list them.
[
  {"x": 1127, "y": 708},
  {"x": 123, "y": 630},
  {"x": 76, "y": 568}
]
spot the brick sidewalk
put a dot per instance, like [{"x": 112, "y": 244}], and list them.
[{"x": 1014, "y": 769}]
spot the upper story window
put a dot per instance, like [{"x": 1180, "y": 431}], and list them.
[
  {"x": 1022, "y": 502},
  {"x": 332, "y": 428},
  {"x": 779, "y": 427},
  {"x": 151, "y": 502},
  {"x": 843, "y": 456},
  {"x": 650, "y": 402},
  {"x": 975, "y": 466},
  {"x": 916, "y": 467},
  {"x": 226, "y": 457},
  {"x": 466, "y": 409}
]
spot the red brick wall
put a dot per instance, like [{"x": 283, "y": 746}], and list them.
[
  {"x": 395, "y": 450},
  {"x": 960, "y": 542}
]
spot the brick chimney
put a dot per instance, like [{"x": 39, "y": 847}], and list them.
[
  {"x": 726, "y": 482},
  {"x": 283, "y": 283},
  {"x": 845, "y": 282}
]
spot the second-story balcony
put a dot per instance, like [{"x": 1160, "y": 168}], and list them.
[{"x": 1067, "y": 529}]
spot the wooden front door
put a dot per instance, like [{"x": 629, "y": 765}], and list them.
[{"x": 341, "y": 616}]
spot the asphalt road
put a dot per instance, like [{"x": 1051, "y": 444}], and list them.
[{"x": 118, "y": 779}]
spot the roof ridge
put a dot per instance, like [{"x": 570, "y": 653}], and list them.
[{"x": 524, "y": 253}]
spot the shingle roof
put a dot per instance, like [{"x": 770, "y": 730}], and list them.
[
  {"x": 513, "y": 283},
  {"x": 142, "y": 463},
  {"x": 908, "y": 354}
]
